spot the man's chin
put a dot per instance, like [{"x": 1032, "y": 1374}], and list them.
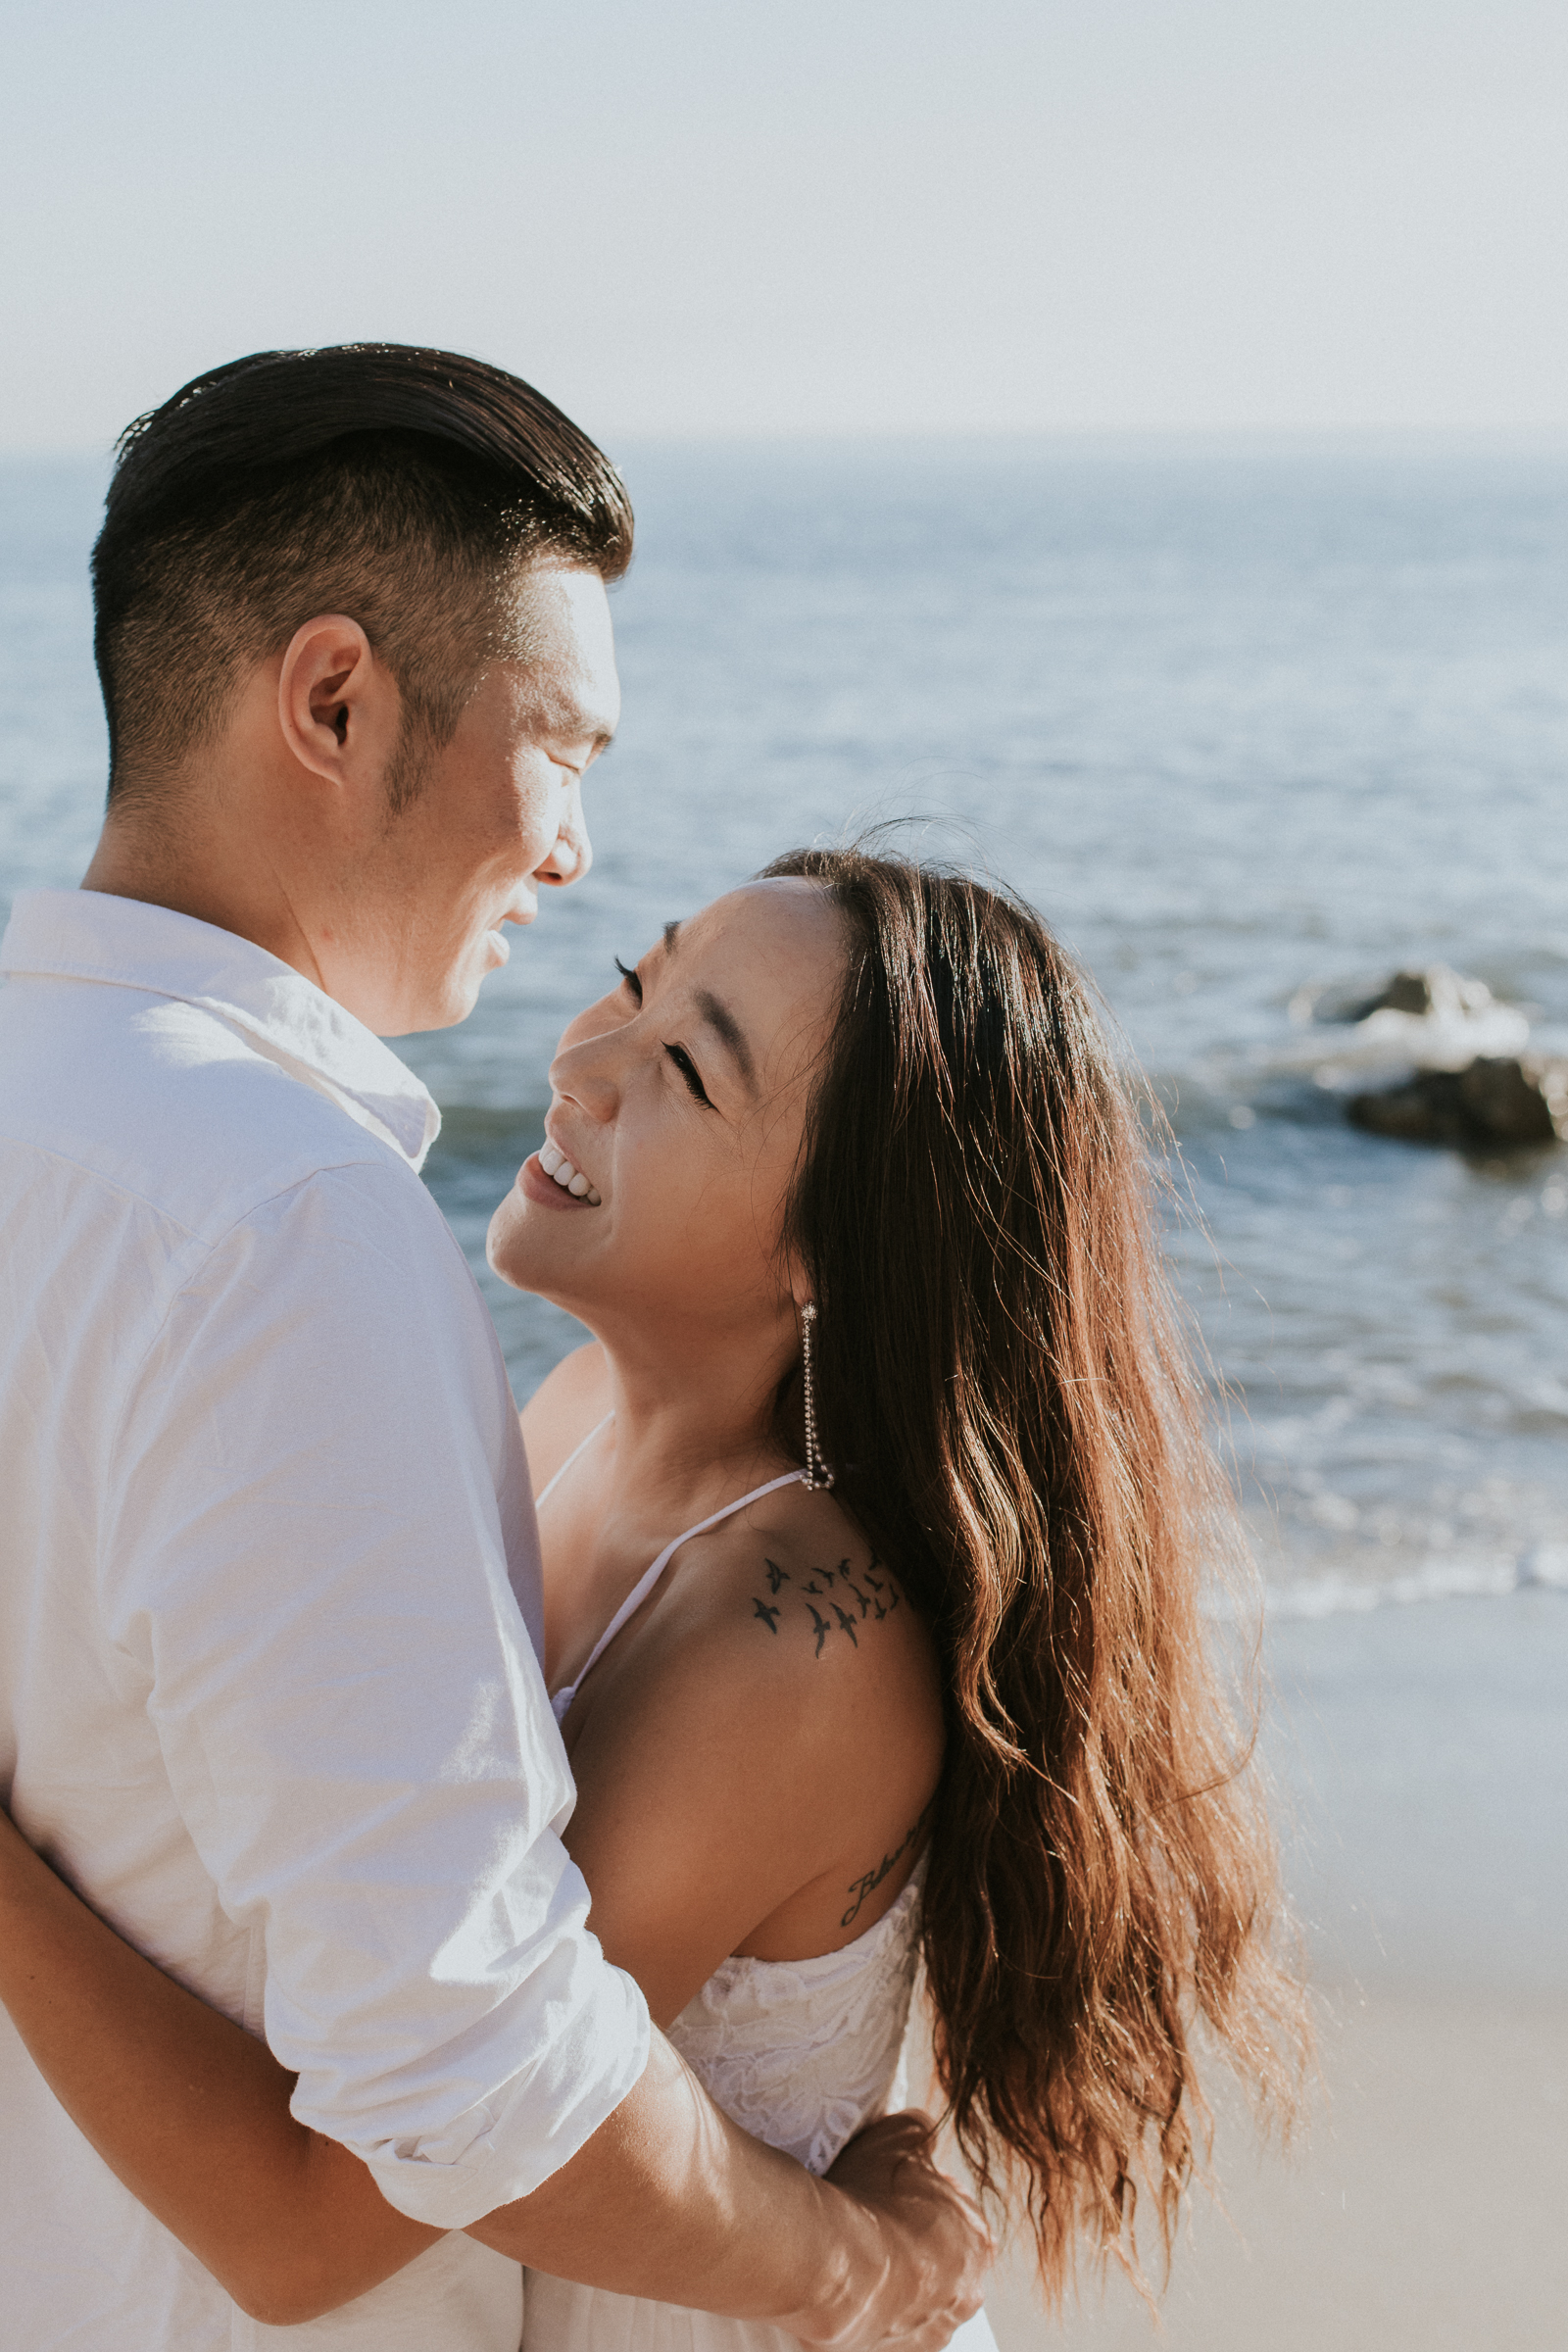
[
  {"x": 445, "y": 1010},
  {"x": 453, "y": 996}
]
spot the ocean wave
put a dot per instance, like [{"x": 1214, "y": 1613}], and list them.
[{"x": 1544, "y": 1568}]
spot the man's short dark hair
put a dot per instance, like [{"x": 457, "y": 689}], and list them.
[{"x": 400, "y": 486}]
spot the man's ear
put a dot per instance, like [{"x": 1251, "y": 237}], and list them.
[{"x": 338, "y": 707}]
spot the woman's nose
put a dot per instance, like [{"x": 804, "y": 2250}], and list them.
[
  {"x": 584, "y": 1072},
  {"x": 573, "y": 853}
]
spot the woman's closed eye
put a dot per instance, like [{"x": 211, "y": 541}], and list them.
[
  {"x": 688, "y": 1070},
  {"x": 631, "y": 981}
]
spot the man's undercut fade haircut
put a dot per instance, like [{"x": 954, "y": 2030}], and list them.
[{"x": 401, "y": 487}]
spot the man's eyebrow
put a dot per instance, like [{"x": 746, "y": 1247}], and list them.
[{"x": 568, "y": 720}]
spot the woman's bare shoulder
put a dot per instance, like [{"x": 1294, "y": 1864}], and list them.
[
  {"x": 759, "y": 1762},
  {"x": 812, "y": 1583},
  {"x": 564, "y": 1408},
  {"x": 796, "y": 1615}
]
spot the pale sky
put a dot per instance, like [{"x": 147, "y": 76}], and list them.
[{"x": 772, "y": 217}]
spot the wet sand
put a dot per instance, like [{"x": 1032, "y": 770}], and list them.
[{"x": 1423, "y": 1754}]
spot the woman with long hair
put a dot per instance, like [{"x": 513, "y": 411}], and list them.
[{"x": 875, "y": 1522}]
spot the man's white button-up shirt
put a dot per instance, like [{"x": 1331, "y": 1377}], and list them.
[{"x": 267, "y": 1554}]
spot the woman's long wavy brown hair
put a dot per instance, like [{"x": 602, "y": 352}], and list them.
[{"x": 1004, "y": 1386}]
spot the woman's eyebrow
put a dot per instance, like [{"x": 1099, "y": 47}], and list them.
[
  {"x": 723, "y": 1023},
  {"x": 719, "y": 1018}
]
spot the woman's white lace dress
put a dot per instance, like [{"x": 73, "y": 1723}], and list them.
[{"x": 800, "y": 2053}]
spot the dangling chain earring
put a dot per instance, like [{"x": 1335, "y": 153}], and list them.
[{"x": 818, "y": 1474}]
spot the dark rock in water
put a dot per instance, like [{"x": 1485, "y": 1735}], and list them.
[
  {"x": 1424, "y": 1109},
  {"x": 1501, "y": 1098},
  {"x": 1519, "y": 1099},
  {"x": 1407, "y": 991}
]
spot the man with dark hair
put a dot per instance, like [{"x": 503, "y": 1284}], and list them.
[{"x": 267, "y": 1553}]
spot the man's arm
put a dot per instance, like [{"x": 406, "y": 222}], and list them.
[
  {"x": 192, "y": 2115},
  {"x": 303, "y": 1559},
  {"x": 671, "y": 2200}
]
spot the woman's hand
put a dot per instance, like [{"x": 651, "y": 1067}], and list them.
[{"x": 940, "y": 2248}]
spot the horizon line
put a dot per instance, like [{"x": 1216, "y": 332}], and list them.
[{"x": 1077, "y": 435}]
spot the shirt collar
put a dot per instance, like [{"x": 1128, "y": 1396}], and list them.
[{"x": 124, "y": 943}]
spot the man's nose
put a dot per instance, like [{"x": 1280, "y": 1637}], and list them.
[{"x": 573, "y": 853}]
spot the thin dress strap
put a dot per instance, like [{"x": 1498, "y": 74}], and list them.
[
  {"x": 561, "y": 1701},
  {"x": 552, "y": 1482}
]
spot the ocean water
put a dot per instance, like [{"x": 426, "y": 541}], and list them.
[{"x": 1243, "y": 721}]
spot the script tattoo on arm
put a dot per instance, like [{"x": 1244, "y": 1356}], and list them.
[{"x": 861, "y": 1888}]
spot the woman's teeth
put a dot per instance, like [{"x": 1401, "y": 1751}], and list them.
[{"x": 570, "y": 1180}]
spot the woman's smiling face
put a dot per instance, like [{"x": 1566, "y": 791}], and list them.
[{"x": 677, "y": 1107}]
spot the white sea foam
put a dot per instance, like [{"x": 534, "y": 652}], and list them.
[
  {"x": 1544, "y": 1567},
  {"x": 1387, "y": 1042}
]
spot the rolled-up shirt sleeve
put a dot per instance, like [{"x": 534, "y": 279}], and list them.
[{"x": 304, "y": 1560}]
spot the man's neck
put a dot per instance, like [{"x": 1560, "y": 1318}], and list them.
[{"x": 161, "y": 852}]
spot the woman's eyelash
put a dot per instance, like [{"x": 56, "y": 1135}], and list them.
[
  {"x": 688, "y": 1070},
  {"x": 678, "y": 1053}
]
